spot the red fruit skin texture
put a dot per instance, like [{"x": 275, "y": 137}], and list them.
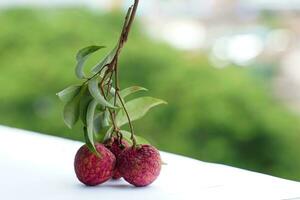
[
  {"x": 139, "y": 166},
  {"x": 92, "y": 170},
  {"x": 115, "y": 146}
]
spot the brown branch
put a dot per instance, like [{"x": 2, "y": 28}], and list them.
[
  {"x": 123, "y": 39},
  {"x": 126, "y": 28},
  {"x": 128, "y": 118},
  {"x": 132, "y": 16},
  {"x": 112, "y": 115},
  {"x": 112, "y": 67}
]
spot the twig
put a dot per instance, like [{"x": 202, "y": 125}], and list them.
[
  {"x": 128, "y": 118},
  {"x": 123, "y": 39},
  {"x": 112, "y": 68}
]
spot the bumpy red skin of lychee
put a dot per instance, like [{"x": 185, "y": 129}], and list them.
[
  {"x": 140, "y": 165},
  {"x": 91, "y": 169},
  {"x": 116, "y": 147}
]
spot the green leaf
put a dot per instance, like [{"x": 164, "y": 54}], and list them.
[
  {"x": 125, "y": 92},
  {"x": 106, "y": 119},
  {"x": 107, "y": 133},
  {"x": 69, "y": 93},
  {"x": 130, "y": 90},
  {"x": 89, "y": 144},
  {"x": 139, "y": 139},
  {"x": 85, "y": 99},
  {"x": 107, "y": 59},
  {"x": 137, "y": 108},
  {"x": 101, "y": 121},
  {"x": 95, "y": 92},
  {"x": 82, "y": 56},
  {"x": 90, "y": 124},
  {"x": 101, "y": 125},
  {"x": 97, "y": 122},
  {"x": 71, "y": 112}
]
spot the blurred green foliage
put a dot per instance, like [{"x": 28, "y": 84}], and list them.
[{"x": 225, "y": 116}]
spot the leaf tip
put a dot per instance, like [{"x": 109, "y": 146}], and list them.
[{"x": 164, "y": 102}]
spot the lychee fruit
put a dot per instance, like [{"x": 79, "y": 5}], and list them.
[
  {"x": 116, "y": 146},
  {"x": 139, "y": 165},
  {"x": 91, "y": 169}
]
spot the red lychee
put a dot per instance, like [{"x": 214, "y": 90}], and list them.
[
  {"x": 91, "y": 169},
  {"x": 116, "y": 147},
  {"x": 140, "y": 165}
]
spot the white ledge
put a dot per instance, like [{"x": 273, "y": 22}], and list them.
[{"x": 35, "y": 166}]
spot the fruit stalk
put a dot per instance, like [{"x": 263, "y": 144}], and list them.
[
  {"x": 113, "y": 67},
  {"x": 110, "y": 71}
]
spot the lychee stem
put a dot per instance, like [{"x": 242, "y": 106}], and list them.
[
  {"x": 123, "y": 39},
  {"x": 129, "y": 121},
  {"x": 113, "y": 69}
]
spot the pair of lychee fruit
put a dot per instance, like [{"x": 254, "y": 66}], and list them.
[{"x": 139, "y": 165}]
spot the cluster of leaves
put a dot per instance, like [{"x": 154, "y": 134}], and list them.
[{"x": 95, "y": 102}]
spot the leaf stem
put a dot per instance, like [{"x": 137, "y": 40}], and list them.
[
  {"x": 112, "y": 69},
  {"x": 128, "y": 118},
  {"x": 112, "y": 116},
  {"x": 114, "y": 64}
]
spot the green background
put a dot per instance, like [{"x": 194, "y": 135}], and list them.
[{"x": 219, "y": 115}]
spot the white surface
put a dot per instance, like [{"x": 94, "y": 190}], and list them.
[{"x": 35, "y": 166}]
